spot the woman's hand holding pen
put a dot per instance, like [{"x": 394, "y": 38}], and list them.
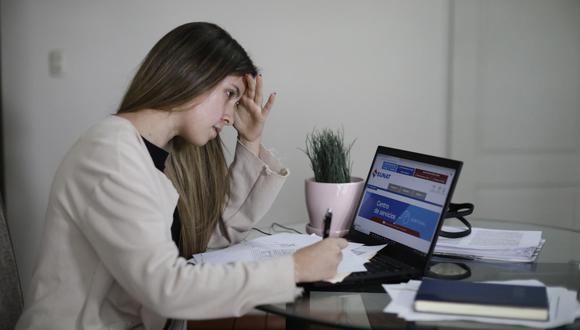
[
  {"x": 318, "y": 261},
  {"x": 250, "y": 116}
]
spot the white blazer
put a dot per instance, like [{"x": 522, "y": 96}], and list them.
[{"x": 107, "y": 260}]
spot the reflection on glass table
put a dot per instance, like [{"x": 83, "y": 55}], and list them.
[{"x": 362, "y": 307}]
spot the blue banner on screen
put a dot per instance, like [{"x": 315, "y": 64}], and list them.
[{"x": 407, "y": 218}]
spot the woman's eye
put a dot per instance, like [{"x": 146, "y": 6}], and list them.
[{"x": 231, "y": 93}]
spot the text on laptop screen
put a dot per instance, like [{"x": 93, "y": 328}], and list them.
[{"x": 403, "y": 201}]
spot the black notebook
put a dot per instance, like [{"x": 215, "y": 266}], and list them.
[
  {"x": 482, "y": 299},
  {"x": 402, "y": 205}
]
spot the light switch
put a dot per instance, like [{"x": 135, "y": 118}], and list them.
[{"x": 56, "y": 63}]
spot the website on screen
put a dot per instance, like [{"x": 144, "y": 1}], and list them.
[{"x": 403, "y": 201}]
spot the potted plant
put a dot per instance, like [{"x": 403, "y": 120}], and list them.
[{"x": 332, "y": 186}]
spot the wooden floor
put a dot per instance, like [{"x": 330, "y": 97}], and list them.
[{"x": 248, "y": 322}]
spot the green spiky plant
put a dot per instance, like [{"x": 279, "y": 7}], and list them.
[{"x": 329, "y": 156}]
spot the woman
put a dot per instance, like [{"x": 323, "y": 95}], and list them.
[{"x": 108, "y": 257}]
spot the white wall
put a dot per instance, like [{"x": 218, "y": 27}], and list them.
[{"x": 376, "y": 68}]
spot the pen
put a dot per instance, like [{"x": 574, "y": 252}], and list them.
[{"x": 327, "y": 220}]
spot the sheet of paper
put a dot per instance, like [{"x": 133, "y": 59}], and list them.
[
  {"x": 282, "y": 244},
  {"x": 367, "y": 251},
  {"x": 492, "y": 244},
  {"x": 564, "y": 306},
  {"x": 494, "y": 239},
  {"x": 351, "y": 262},
  {"x": 339, "y": 277}
]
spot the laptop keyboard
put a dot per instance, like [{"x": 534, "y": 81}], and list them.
[
  {"x": 380, "y": 266},
  {"x": 381, "y": 263}
]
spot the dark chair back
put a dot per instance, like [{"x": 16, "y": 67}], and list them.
[{"x": 10, "y": 290}]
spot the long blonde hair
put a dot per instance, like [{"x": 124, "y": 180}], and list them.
[{"x": 188, "y": 61}]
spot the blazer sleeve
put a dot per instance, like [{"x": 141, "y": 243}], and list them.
[
  {"x": 254, "y": 185},
  {"x": 128, "y": 228}
]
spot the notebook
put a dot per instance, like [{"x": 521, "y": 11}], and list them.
[
  {"x": 402, "y": 205},
  {"x": 483, "y": 299}
]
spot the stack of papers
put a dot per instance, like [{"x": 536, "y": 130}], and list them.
[
  {"x": 493, "y": 245},
  {"x": 354, "y": 256},
  {"x": 564, "y": 307}
]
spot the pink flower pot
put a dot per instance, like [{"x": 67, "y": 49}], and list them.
[{"x": 341, "y": 198}]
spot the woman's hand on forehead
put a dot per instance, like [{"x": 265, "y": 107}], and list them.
[{"x": 251, "y": 115}]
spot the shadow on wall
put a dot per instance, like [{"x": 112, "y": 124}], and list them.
[
  {"x": 11, "y": 296},
  {"x": 20, "y": 215}
]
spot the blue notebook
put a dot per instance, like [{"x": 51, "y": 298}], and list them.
[{"x": 482, "y": 299}]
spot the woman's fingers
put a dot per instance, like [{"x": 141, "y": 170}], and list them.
[
  {"x": 269, "y": 104},
  {"x": 258, "y": 90},
  {"x": 251, "y": 91},
  {"x": 253, "y": 97},
  {"x": 250, "y": 105}
]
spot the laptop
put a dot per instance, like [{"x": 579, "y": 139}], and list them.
[{"x": 403, "y": 204}]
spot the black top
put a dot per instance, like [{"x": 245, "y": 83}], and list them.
[{"x": 159, "y": 156}]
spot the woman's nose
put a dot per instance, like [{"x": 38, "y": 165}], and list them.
[{"x": 228, "y": 119}]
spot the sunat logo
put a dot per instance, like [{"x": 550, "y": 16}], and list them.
[{"x": 381, "y": 174}]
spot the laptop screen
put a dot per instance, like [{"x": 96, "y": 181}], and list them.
[{"x": 405, "y": 197}]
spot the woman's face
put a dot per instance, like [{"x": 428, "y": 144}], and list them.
[{"x": 202, "y": 119}]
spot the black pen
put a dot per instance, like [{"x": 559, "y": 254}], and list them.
[{"x": 327, "y": 220}]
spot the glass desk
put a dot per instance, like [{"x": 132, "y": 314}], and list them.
[{"x": 557, "y": 265}]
